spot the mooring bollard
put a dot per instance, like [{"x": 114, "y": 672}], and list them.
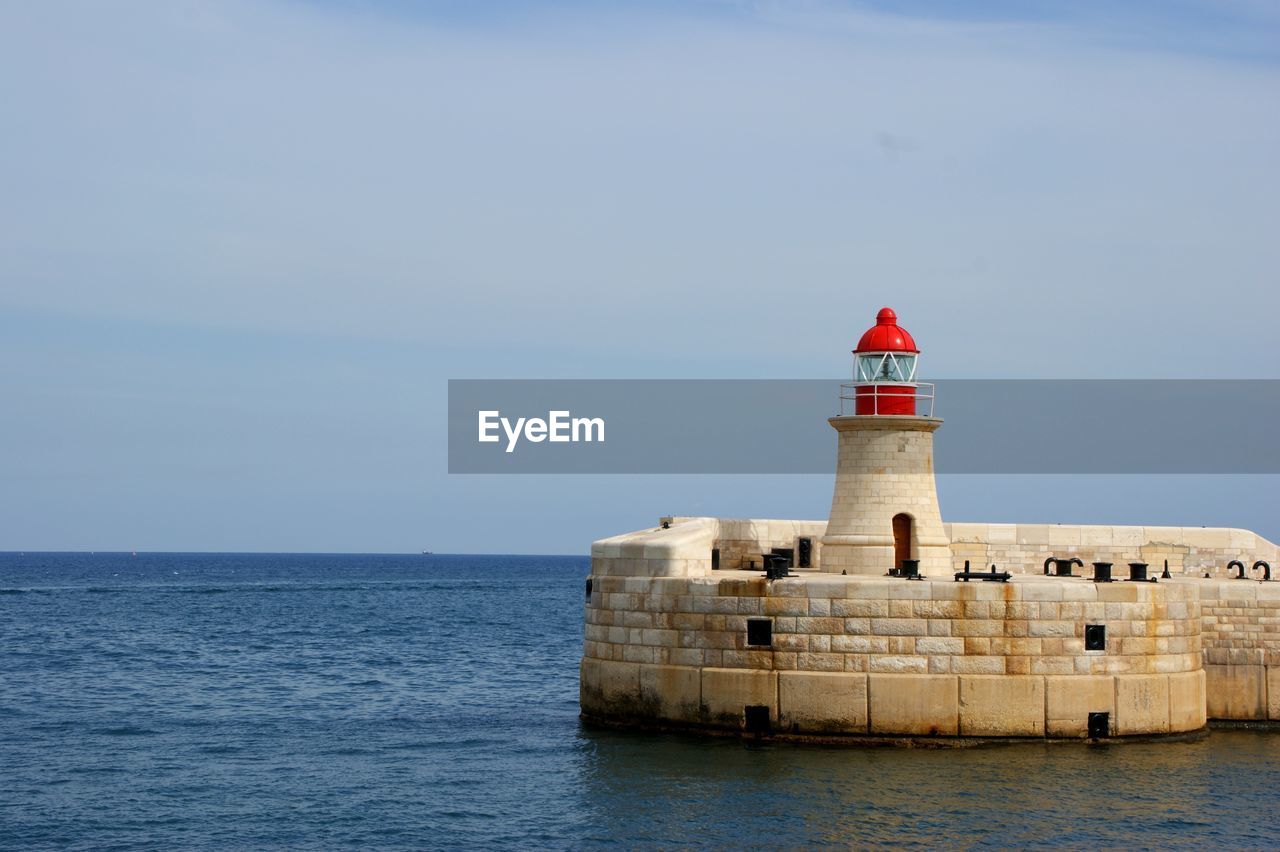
[
  {"x": 1137, "y": 572},
  {"x": 1236, "y": 563},
  {"x": 1102, "y": 572},
  {"x": 992, "y": 576},
  {"x": 1062, "y": 567}
]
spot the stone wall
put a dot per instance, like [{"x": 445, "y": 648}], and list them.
[
  {"x": 1241, "y": 634},
  {"x": 851, "y": 624},
  {"x": 663, "y": 627},
  {"x": 744, "y": 541},
  {"x": 860, "y": 656},
  {"x": 684, "y": 549},
  {"x": 1191, "y": 551}
]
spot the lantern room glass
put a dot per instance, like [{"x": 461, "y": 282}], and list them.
[{"x": 886, "y": 367}]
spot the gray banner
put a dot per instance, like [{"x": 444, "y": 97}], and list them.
[{"x": 780, "y": 426}]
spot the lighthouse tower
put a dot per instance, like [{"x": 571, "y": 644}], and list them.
[{"x": 885, "y": 507}]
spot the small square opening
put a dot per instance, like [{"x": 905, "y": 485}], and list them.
[
  {"x": 1095, "y": 637},
  {"x": 588, "y": 588},
  {"x": 760, "y": 632},
  {"x": 757, "y": 718},
  {"x": 1099, "y": 725}
]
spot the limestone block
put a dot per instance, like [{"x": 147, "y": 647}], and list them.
[
  {"x": 1069, "y": 699},
  {"x": 1079, "y": 592},
  {"x": 1052, "y": 629},
  {"x": 948, "y": 591},
  {"x": 1237, "y": 592},
  {"x": 907, "y": 590},
  {"x": 1094, "y": 536},
  {"x": 1002, "y": 533},
  {"x": 786, "y": 606},
  {"x": 608, "y": 687},
  {"x": 1207, "y": 538},
  {"x": 860, "y": 644},
  {"x": 1017, "y": 665},
  {"x": 821, "y": 662},
  {"x": 1001, "y": 706},
  {"x": 639, "y": 654},
  {"x": 1243, "y": 541},
  {"x": 1273, "y": 692},
  {"x": 1033, "y": 534},
  {"x": 1270, "y": 592},
  {"x": 660, "y": 638},
  {"x": 1064, "y": 536},
  {"x": 871, "y": 590},
  {"x": 939, "y": 609},
  {"x": 969, "y": 664},
  {"x": 1142, "y": 705},
  {"x": 1236, "y": 692},
  {"x": 898, "y": 663},
  {"x": 1186, "y": 701},
  {"x": 1041, "y": 591},
  {"x": 913, "y": 704},
  {"x": 1117, "y": 592},
  {"x": 725, "y": 692},
  {"x": 899, "y": 627},
  {"x": 815, "y": 624},
  {"x": 853, "y": 608},
  {"x": 977, "y": 627},
  {"x": 822, "y": 702},
  {"x": 966, "y": 533},
  {"x": 939, "y": 645},
  {"x": 1162, "y": 535},
  {"x": 1128, "y": 537},
  {"x": 671, "y": 692},
  {"x": 983, "y": 591}
]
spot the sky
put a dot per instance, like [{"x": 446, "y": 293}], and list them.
[{"x": 244, "y": 245}]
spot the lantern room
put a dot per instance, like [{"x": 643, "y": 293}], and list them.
[{"x": 884, "y": 369}]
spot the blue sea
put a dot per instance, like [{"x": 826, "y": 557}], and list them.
[{"x": 257, "y": 701}]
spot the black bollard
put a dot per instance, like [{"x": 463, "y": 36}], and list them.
[
  {"x": 1138, "y": 572},
  {"x": 1102, "y": 572}
]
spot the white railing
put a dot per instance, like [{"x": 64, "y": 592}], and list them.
[{"x": 924, "y": 393}]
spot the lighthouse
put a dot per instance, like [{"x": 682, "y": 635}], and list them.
[{"x": 885, "y": 507}]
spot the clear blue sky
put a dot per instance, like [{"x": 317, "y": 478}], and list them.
[{"x": 244, "y": 245}]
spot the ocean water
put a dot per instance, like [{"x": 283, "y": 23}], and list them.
[{"x": 255, "y": 701}]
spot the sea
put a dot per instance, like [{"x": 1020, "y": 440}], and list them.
[{"x": 302, "y": 701}]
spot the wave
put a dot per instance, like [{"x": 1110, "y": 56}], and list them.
[{"x": 124, "y": 731}]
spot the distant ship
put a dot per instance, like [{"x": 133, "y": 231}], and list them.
[{"x": 426, "y": 553}]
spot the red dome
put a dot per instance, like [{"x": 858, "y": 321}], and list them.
[{"x": 886, "y": 335}]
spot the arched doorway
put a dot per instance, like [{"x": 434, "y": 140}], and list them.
[{"x": 901, "y": 538}]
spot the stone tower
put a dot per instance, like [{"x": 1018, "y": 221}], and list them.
[{"x": 885, "y": 506}]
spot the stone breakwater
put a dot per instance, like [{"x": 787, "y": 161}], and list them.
[{"x": 856, "y": 657}]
